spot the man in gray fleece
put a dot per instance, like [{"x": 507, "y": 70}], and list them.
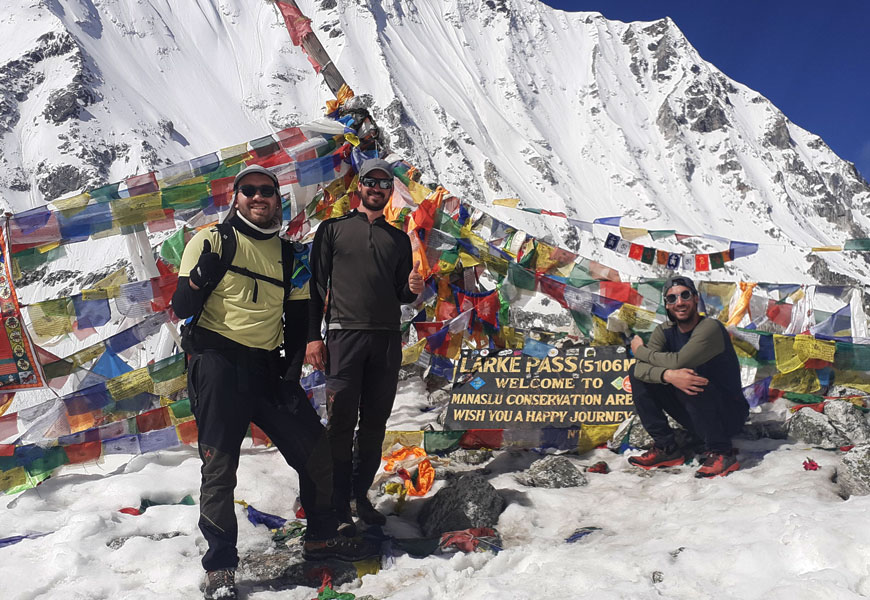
[{"x": 689, "y": 370}]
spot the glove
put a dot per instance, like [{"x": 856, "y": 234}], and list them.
[{"x": 208, "y": 270}]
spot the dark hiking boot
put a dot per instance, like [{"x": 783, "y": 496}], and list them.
[
  {"x": 340, "y": 548},
  {"x": 657, "y": 457},
  {"x": 718, "y": 464},
  {"x": 221, "y": 585},
  {"x": 368, "y": 513},
  {"x": 346, "y": 526}
]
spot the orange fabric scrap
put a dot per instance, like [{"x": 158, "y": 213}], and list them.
[{"x": 409, "y": 456}]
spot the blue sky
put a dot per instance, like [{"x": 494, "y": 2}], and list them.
[{"x": 811, "y": 59}]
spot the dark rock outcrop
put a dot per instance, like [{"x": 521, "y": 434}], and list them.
[{"x": 467, "y": 501}]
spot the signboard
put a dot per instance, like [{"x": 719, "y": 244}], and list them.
[{"x": 506, "y": 389}]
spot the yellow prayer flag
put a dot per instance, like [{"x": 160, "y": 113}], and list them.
[
  {"x": 601, "y": 336},
  {"x": 73, "y": 204},
  {"x": 592, "y": 436},
  {"x": 130, "y": 384},
  {"x": 408, "y": 439},
  {"x": 85, "y": 355},
  {"x": 52, "y": 317},
  {"x": 354, "y": 140},
  {"x": 418, "y": 191},
  {"x": 12, "y": 478},
  {"x": 341, "y": 206},
  {"x": 369, "y": 566},
  {"x": 826, "y": 249},
  {"x": 509, "y": 202},
  {"x": 45, "y": 248},
  {"x": 544, "y": 259},
  {"x": 137, "y": 210},
  {"x": 467, "y": 259},
  {"x": 639, "y": 319},
  {"x": 632, "y": 233},
  {"x": 165, "y": 388},
  {"x": 412, "y": 353},
  {"x": 859, "y": 380},
  {"x": 802, "y": 381},
  {"x": 234, "y": 155},
  {"x": 807, "y": 347},
  {"x": 113, "y": 279},
  {"x": 787, "y": 359}
]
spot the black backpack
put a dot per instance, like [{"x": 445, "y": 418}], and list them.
[{"x": 289, "y": 250}]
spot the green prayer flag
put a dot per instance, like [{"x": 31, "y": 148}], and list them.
[
  {"x": 53, "y": 458},
  {"x": 435, "y": 442},
  {"x": 852, "y": 357},
  {"x": 181, "y": 409},
  {"x": 648, "y": 256},
  {"x": 181, "y": 197},
  {"x": 658, "y": 234},
  {"x": 859, "y": 244},
  {"x": 520, "y": 277},
  {"x": 167, "y": 368},
  {"x": 173, "y": 247},
  {"x": 444, "y": 223}
]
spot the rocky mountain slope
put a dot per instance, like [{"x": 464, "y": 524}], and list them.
[{"x": 493, "y": 98}]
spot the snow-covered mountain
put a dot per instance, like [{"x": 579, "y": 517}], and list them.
[{"x": 492, "y": 98}]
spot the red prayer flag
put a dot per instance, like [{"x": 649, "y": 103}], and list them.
[
  {"x": 702, "y": 262},
  {"x": 187, "y": 432},
  {"x": 488, "y": 307},
  {"x": 153, "y": 420},
  {"x": 79, "y": 453},
  {"x": 635, "y": 251},
  {"x": 482, "y": 438},
  {"x": 259, "y": 437},
  {"x": 298, "y": 25},
  {"x": 779, "y": 313},
  {"x": 554, "y": 289}
]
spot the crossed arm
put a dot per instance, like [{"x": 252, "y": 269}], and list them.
[{"x": 656, "y": 365}]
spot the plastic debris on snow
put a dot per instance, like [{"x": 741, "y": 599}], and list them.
[{"x": 581, "y": 533}]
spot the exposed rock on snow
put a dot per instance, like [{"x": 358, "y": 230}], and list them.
[
  {"x": 467, "y": 501},
  {"x": 812, "y": 427},
  {"x": 552, "y": 472},
  {"x": 853, "y": 472},
  {"x": 848, "y": 420}
]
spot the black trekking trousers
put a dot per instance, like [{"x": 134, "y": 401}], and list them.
[
  {"x": 229, "y": 389},
  {"x": 361, "y": 378},
  {"x": 711, "y": 415}
]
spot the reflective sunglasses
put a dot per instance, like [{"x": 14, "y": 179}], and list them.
[
  {"x": 384, "y": 184},
  {"x": 266, "y": 191},
  {"x": 672, "y": 298}
]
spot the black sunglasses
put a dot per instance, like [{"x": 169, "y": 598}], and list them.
[
  {"x": 672, "y": 298},
  {"x": 266, "y": 191},
  {"x": 384, "y": 184}
]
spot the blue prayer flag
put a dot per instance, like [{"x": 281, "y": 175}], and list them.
[
  {"x": 91, "y": 313},
  {"x": 608, "y": 221}
]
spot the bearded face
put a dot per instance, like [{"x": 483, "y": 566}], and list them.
[{"x": 374, "y": 197}]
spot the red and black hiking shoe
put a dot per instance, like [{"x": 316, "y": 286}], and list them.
[
  {"x": 657, "y": 457},
  {"x": 717, "y": 464}
]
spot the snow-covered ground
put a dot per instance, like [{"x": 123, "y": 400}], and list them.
[{"x": 771, "y": 530}]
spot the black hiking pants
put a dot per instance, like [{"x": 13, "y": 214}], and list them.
[
  {"x": 711, "y": 416},
  {"x": 361, "y": 377},
  {"x": 229, "y": 389}
]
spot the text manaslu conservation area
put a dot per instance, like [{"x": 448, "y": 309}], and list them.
[{"x": 506, "y": 389}]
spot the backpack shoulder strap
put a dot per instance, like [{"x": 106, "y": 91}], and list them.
[
  {"x": 228, "y": 243},
  {"x": 287, "y": 262}
]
